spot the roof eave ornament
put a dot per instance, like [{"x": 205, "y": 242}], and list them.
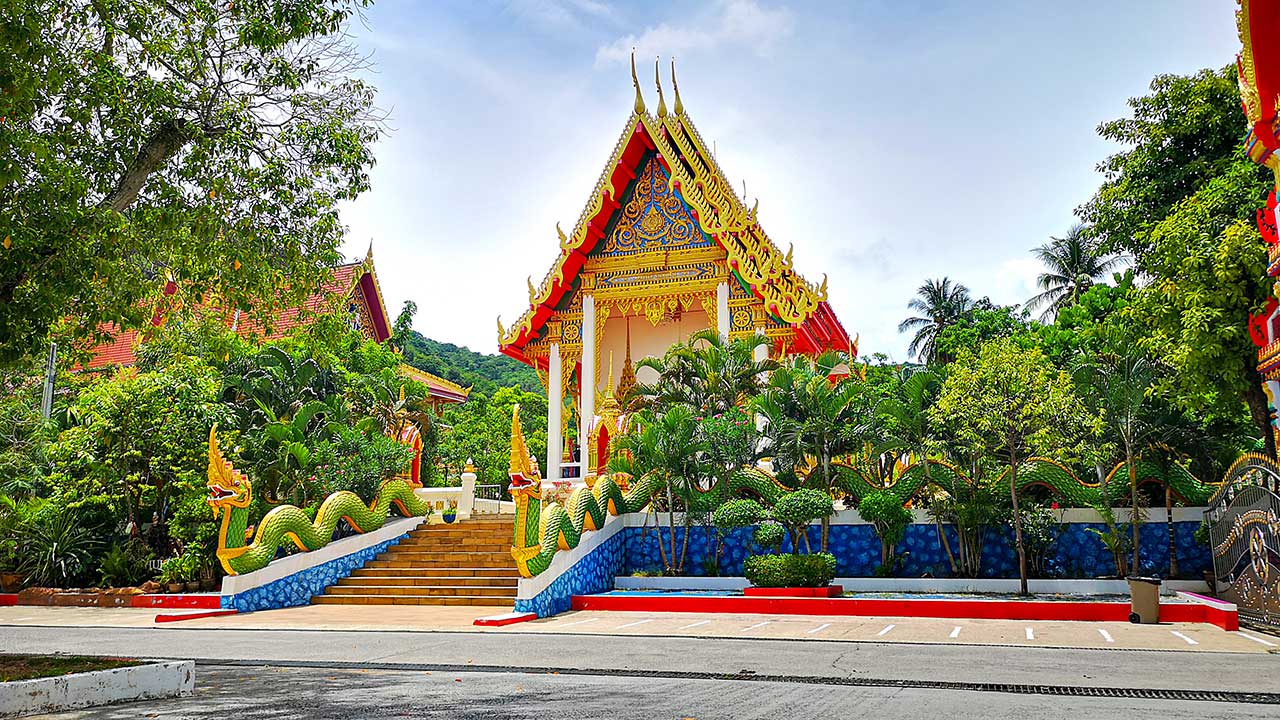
[
  {"x": 635, "y": 81},
  {"x": 657, "y": 79},
  {"x": 679, "y": 108}
]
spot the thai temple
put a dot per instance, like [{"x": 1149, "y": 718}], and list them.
[
  {"x": 663, "y": 249},
  {"x": 354, "y": 287}
]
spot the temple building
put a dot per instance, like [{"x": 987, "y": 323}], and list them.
[
  {"x": 664, "y": 249},
  {"x": 354, "y": 286}
]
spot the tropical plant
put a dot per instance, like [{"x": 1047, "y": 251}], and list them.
[
  {"x": 1040, "y": 532},
  {"x": 59, "y": 551},
  {"x": 708, "y": 373},
  {"x": 904, "y": 423},
  {"x": 971, "y": 505},
  {"x": 940, "y": 303},
  {"x": 1073, "y": 264},
  {"x": 886, "y": 513},
  {"x": 125, "y": 564},
  {"x": 1011, "y": 402},
  {"x": 1114, "y": 537}
]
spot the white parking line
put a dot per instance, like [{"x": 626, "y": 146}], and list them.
[
  {"x": 955, "y": 633},
  {"x": 886, "y": 630},
  {"x": 1030, "y": 635},
  {"x": 693, "y": 625},
  {"x": 1106, "y": 635},
  {"x": 1268, "y": 643},
  {"x": 579, "y": 622},
  {"x": 638, "y": 622},
  {"x": 1184, "y": 637},
  {"x": 819, "y": 629},
  {"x": 757, "y": 625}
]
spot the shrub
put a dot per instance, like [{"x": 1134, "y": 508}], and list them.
[
  {"x": 59, "y": 550},
  {"x": 797, "y": 509},
  {"x": 769, "y": 536},
  {"x": 816, "y": 570},
  {"x": 737, "y": 513},
  {"x": 890, "y": 519},
  {"x": 125, "y": 565}
]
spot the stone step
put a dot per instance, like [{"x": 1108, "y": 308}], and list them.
[
  {"x": 460, "y": 558},
  {"x": 433, "y": 580},
  {"x": 484, "y": 600},
  {"x": 423, "y": 572},
  {"x": 443, "y": 547},
  {"x": 475, "y": 531},
  {"x": 496, "y": 560},
  {"x": 458, "y": 590}
]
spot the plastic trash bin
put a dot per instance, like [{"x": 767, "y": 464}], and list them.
[{"x": 1144, "y": 599}]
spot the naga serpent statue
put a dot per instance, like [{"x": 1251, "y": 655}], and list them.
[
  {"x": 230, "y": 494},
  {"x": 541, "y": 531}
]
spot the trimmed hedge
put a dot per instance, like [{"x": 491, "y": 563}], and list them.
[{"x": 816, "y": 570}]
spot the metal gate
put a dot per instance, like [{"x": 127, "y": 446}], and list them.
[{"x": 1244, "y": 536}]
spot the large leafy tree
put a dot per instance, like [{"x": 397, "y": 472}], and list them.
[
  {"x": 208, "y": 143},
  {"x": 1010, "y": 402},
  {"x": 1073, "y": 263},
  {"x": 940, "y": 303}
]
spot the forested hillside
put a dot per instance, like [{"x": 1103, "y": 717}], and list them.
[{"x": 483, "y": 373}]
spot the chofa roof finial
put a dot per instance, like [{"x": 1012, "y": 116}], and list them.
[
  {"x": 676, "y": 88},
  {"x": 657, "y": 79},
  {"x": 635, "y": 81}
]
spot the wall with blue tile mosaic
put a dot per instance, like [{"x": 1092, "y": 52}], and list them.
[
  {"x": 594, "y": 573},
  {"x": 1077, "y": 552},
  {"x": 298, "y": 588}
]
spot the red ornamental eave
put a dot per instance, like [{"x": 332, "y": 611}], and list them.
[
  {"x": 372, "y": 296},
  {"x": 1262, "y": 20}
]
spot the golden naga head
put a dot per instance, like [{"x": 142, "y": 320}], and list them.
[
  {"x": 228, "y": 487},
  {"x": 525, "y": 478}
]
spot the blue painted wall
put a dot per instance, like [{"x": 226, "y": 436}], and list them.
[
  {"x": 298, "y": 588},
  {"x": 593, "y": 573},
  {"x": 1077, "y": 553}
]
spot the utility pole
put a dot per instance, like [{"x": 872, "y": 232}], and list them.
[{"x": 50, "y": 373}]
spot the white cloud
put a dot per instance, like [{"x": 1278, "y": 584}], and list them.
[
  {"x": 736, "y": 22},
  {"x": 561, "y": 14}
]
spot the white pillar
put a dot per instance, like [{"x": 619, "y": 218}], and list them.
[
  {"x": 587, "y": 386},
  {"x": 760, "y": 354},
  {"x": 555, "y": 400},
  {"x": 722, "y": 310},
  {"x": 467, "y": 496}
]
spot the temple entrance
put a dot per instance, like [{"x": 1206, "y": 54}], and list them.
[{"x": 1244, "y": 532}]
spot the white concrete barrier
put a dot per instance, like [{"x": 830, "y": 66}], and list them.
[{"x": 150, "y": 681}]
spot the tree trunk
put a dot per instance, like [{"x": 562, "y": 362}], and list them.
[
  {"x": 1259, "y": 410},
  {"x": 1173, "y": 545},
  {"x": 1017, "y": 521},
  {"x": 165, "y": 142},
  {"x": 1134, "y": 525},
  {"x": 826, "y": 521}
]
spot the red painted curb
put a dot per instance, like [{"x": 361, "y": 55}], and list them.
[
  {"x": 830, "y": 591},
  {"x": 210, "y": 601},
  {"x": 975, "y": 609},
  {"x": 504, "y": 619},
  {"x": 7, "y": 599},
  {"x": 162, "y": 618}
]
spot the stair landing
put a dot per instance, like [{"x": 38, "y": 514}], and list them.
[{"x": 463, "y": 563}]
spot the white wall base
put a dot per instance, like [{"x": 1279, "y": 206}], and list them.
[
  {"x": 920, "y": 585},
  {"x": 143, "y": 682}
]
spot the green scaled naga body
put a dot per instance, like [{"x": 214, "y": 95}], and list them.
[
  {"x": 542, "y": 530},
  {"x": 230, "y": 494}
]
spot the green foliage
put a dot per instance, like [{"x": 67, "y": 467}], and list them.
[
  {"x": 737, "y": 513},
  {"x": 480, "y": 430},
  {"x": 707, "y": 373},
  {"x": 484, "y": 374},
  {"x": 59, "y": 550},
  {"x": 980, "y": 323},
  {"x": 885, "y": 511},
  {"x": 769, "y": 536},
  {"x": 795, "y": 510},
  {"x": 1040, "y": 531},
  {"x": 125, "y": 565},
  {"x": 940, "y": 303},
  {"x": 1072, "y": 265},
  {"x": 815, "y": 570},
  {"x": 207, "y": 142}
]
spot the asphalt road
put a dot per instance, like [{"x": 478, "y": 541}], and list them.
[
  {"x": 246, "y": 693},
  {"x": 920, "y": 663}
]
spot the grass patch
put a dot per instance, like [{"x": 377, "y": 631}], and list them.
[{"x": 29, "y": 667}]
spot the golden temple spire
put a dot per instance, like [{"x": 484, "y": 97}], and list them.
[
  {"x": 368, "y": 256},
  {"x": 676, "y": 88},
  {"x": 635, "y": 81},
  {"x": 657, "y": 79},
  {"x": 628, "y": 379}
]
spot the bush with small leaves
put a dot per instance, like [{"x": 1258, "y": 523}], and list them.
[
  {"x": 797, "y": 509},
  {"x": 885, "y": 512},
  {"x": 815, "y": 570},
  {"x": 769, "y": 536}
]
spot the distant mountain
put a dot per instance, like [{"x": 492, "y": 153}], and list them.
[{"x": 483, "y": 373}]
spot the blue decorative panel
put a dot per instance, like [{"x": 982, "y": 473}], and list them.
[
  {"x": 1077, "y": 553},
  {"x": 593, "y": 573},
  {"x": 298, "y": 588}
]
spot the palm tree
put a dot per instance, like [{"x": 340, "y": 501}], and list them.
[
  {"x": 707, "y": 373},
  {"x": 940, "y": 304},
  {"x": 809, "y": 419},
  {"x": 1073, "y": 265}
]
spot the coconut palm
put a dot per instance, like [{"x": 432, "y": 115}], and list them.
[
  {"x": 940, "y": 304},
  {"x": 707, "y": 373},
  {"x": 1073, "y": 265}
]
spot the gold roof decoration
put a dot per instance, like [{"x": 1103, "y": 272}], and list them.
[{"x": 716, "y": 207}]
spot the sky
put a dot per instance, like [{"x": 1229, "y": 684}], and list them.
[{"x": 890, "y": 141}]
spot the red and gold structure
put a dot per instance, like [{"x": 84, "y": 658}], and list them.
[{"x": 663, "y": 249}]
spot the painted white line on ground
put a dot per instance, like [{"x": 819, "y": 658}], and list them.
[
  {"x": 579, "y": 622},
  {"x": 693, "y": 625},
  {"x": 1106, "y": 635},
  {"x": 633, "y": 624},
  {"x": 819, "y": 629},
  {"x": 1268, "y": 643},
  {"x": 886, "y": 630},
  {"x": 757, "y": 625},
  {"x": 1184, "y": 637},
  {"x": 1030, "y": 634},
  {"x": 955, "y": 633}
]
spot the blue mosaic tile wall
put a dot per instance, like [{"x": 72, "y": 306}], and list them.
[
  {"x": 591, "y": 574},
  {"x": 1077, "y": 553},
  {"x": 298, "y": 588}
]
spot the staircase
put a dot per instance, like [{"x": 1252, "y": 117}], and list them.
[{"x": 464, "y": 563}]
